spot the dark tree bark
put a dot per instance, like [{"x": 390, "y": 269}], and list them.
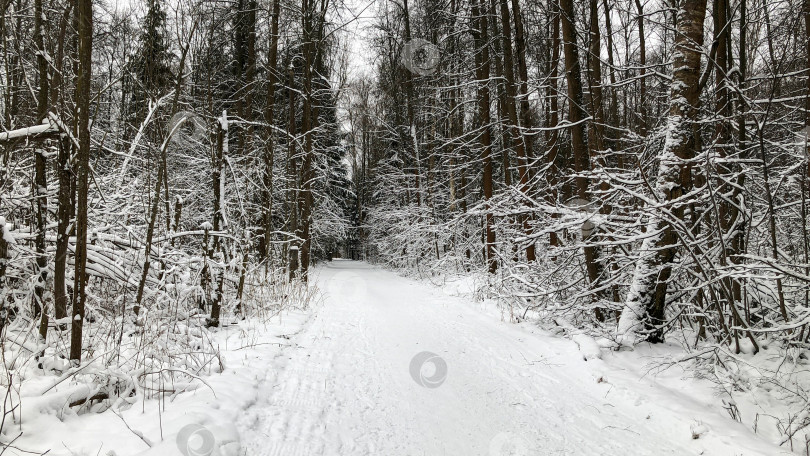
[
  {"x": 65, "y": 174},
  {"x": 413, "y": 127},
  {"x": 642, "y": 62},
  {"x": 482, "y": 64},
  {"x": 292, "y": 172},
  {"x": 269, "y": 117},
  {"x": 517, "y": 137},
  {"x": 525, "y": 108},
  {"x": 577, "y": 117},
  {"x": 806, "y": 13},
  {"x": 41, "y": 181},
  {"x": 312, "y": 23},
  {"x": 553, "y": 139},
  {"x": 84, "y": 17},
  {"x": 613, "y": 107}
]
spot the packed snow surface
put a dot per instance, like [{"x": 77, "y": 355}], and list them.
[{"x": 391, "y": 366}]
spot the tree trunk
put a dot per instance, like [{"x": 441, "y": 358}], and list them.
[
  {"x": 644, "y": 311},
  {"x": 292, "y": 172},
  {"x": 553, "y": 95},
  {"x": 84, "y": 12},
  {"x": 523, "y": 73},
  {"x": 413, "y": 128},
  {"x": 577, "y": 116},
  {"x": 218, "y": 177},
  {"x": 269, "y": 117},
  {"x": 308, "y": 123},
  {"x": 514, "y": 127},
  {"x": 642, "y": 76},
  {"x": 613, "y": 107},
  {"x": 504, "y": 104},
  {"x": 312, "y": 26},
  {"x": 40, "y": 180},
  {"x": 66, "y": 209},
  {"x": 482, "y": 64}
]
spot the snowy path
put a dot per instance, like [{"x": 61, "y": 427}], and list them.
[{"x": 345, "y": 388}]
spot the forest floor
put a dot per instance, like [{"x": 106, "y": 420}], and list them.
[
  {"x": 353, "y": 384},
  {"x": 349, "y": 377}
]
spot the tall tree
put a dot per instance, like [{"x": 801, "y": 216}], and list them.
[
  {"x": 645, "y": 305},
  {"x": 482, "y": 65},
  {"x": 41, "y": 180},
  {"x": 66, "y": 176},
  {"x": 84, "y": 18},
  {"x": 269, "y": 117},
  {"x": 149, "y": 73},
  {"x": 517, "y": 136},
  {"x": 577, "y": 117}
]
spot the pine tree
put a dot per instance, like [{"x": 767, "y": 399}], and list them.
[{"x": 149, "y": 73}]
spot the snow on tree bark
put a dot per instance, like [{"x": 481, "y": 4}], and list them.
[{"x": 645, "y": 306}]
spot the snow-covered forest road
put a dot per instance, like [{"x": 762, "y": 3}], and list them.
[{"x": 497, "y": 388}]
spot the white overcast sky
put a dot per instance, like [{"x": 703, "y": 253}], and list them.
[{"x": 358, "y": 33}]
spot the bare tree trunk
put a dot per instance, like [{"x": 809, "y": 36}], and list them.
[
  {"x": 150, "y": 232},
  {"x": 596, "y": 131},
  {"x": 806, "y": 13},
  {"x": 4, "y": 257},
  {"x": 511, "y": 109},
  {"x": 502, "y": 102},
  {"x": 577, "y": 117},
  {"x": 525, "y": 108},
  {"x": 554, "y": 111},
  {"x": 269, "y": 117},
  {"x": 482, "y": 64},
  {"x": 218, "y": 178},
  {"x": 576, "y": 113},
  {"x": 642, "y": 63},
  {"x": 644, "y": 311},
  {"x": 40, "y": 180},
  {"x": 309, "y": 122},
  {"x": 245, "y": 72},
  {"x": 412, "y": 120},
  {"x": 66, "y": 209},
  {"x": 84, "y": 12},
  {"x": 292, "y": 172},
  {"x": 613, "y": 107}
]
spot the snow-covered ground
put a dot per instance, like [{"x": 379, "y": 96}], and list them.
[
  {"x": 352, "y": 385},
  {"x": 386, "y": 365},
  {"x": 199, "y": 419}
]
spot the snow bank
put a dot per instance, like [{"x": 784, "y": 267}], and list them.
[
  {"x": 193, "y": 415},
  {"x": 587, "y": 346}
]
